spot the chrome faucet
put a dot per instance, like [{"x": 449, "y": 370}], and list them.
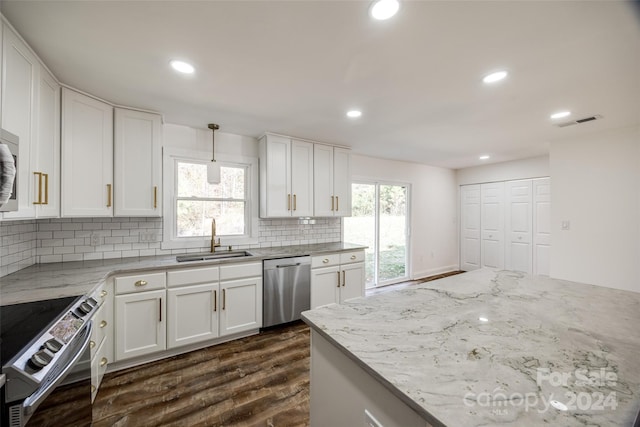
[{"x": 214, "y": 244}]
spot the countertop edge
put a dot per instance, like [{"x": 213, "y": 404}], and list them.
[{"x": 433, "y": 421}]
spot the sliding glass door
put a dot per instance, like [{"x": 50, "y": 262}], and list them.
[{"x": 380, "y": 221}]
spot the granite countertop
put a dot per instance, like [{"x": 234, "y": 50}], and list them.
[
  {"x": 55, "y": 280},
  {"x": 494, "y": 348}
]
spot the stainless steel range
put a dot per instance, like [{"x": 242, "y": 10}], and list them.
[{"x": 41, "y": 343}]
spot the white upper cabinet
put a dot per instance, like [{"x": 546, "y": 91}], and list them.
[
  {"x": 332, "y": 179},
  {"x": 87, "y": 156},
  {"x": 46, "y": 175},
  {"x": 286, "y": 177},
  {"x": 137, "y": 163},
  {"x": 20, "y": 81}
]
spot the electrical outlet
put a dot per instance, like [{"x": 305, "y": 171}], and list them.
[
  {"x": 147, "y": 237},
  {"x": 95, "y": 239}
]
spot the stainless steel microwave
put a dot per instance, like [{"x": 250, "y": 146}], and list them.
[{"x": 11, "y": 141}]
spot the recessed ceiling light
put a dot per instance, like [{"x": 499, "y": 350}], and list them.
[
  {"x": 560, "y": 114},
  {"x": 484, "y": 157},
  {"x": 354, "y": 114},
  {"x": 495, "y": 77},
  {"x": 384, "y": 9},
  {"x": 182, "y": 67}
]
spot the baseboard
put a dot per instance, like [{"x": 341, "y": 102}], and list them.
[{"x": 434, "y": 271}]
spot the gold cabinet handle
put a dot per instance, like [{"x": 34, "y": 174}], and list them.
[
  {"x": 103, "y": 323},
  {"x": 155, "y": 197},
  {"x": 39, "y": 175},
  {"x": 288, "y": 202},
  {"x": 326, "y": 260},
  {"x": 103, "y": 361},
  {"x": 92, "y": 343},
  {"x": 46, "y": 188},
  {"x": 338, "y": 279},
  {"x": 337, "y": 204},
  {"x": 224, "y": 298},
  {"x": 344, "y": 278},
  {"x": 332, "y": 203},
  {"x": 103, "y": 294},
  {"x": 108, "y": 195},
  {"x": 215, "y": 300},
  {"x": 353, "y": 257},
  {"x": 295, "y": 204},
  {"x": 140, "y": 283}
]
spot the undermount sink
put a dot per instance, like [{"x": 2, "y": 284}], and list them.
[{"x": 212, "y": 256}]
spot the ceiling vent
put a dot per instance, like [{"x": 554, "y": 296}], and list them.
[{"x": 580, "y": 121}]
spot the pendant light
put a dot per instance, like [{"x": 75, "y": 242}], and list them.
[{"x": 213, "y": 169}]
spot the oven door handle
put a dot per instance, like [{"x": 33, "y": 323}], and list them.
[{"x": 32, "y": 402}]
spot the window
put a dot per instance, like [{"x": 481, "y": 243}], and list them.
[
  {"x": 191, "y": 202},
  {"x": 197, "y": 201}
]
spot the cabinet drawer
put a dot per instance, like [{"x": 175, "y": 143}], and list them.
[
  {"x": 98, "y": 368},
  {"x": 325, "y": 260},
  {"x": 100, "y": 328},
  {"x": 237, "y": 271},
  {"x": 140, "y": 282},
  {"x": 193, "y": 276},
  {"x": 351, "y": 257}
]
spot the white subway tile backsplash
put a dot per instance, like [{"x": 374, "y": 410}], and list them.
[{"x": 29, "y": 242}]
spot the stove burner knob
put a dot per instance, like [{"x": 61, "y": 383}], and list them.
[
  {"x": 40, "y": 359},
  {"x": 53, "y": 345},
  {"x": 84, "y": 308}
]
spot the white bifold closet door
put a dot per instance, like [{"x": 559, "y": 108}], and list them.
[
  {"x": 492, "y": 225},
  {"x": 506, "y": 225},
  {"x": 470, "y": 227}
]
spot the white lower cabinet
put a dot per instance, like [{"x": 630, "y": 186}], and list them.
[
  {"x": 336, "y": 278},
  {"x": 241, "y": 305},
  {"x": 140, "y": 312},
  {"x": 193, "y": 306}
]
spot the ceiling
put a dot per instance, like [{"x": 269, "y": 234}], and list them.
[{"x": 296, "y": 67}]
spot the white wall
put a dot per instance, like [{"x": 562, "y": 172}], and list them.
[
  {"x": 178, "y": 136},
  {"x": 434, "y": 247},
  {"x": 596, "y": 186},
  {"x": 535, "y": 167}
]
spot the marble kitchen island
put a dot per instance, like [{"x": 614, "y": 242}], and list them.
[{"x": 480, "y": 348}]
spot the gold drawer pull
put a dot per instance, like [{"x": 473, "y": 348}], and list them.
[
  {"x": 141, "y": 283},
  {"x": 92, "y": 343},
  {"x": 103, "y": 294},
  {"x": 103, "y": 361},
  {"x": 326, "y": 260},
  {"x": 353, "y": 257},
  {"x": 108, "y": 195},
  {"x": 103, "y": 323},
  {"x": 155, "y": 197}
]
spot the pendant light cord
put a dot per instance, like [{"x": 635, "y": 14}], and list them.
[{"x": 213, "y": 128}]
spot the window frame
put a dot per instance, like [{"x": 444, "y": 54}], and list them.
[{"x": 170, "y": 240}]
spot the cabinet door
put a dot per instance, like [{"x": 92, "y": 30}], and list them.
[
  {"x": 492, "y": 223},
  {"x": 137, "y": 163},
  {"x": 192, "y": 314},
  {"x": 275, "y": 170},
  {"x": 352, "y": 281},
  {"x": 469, "y": 227},
  {"x": 518, "y": 254},
  {"x": 324, "y": 199},
  {"x": 47, "y": 149},
  {"x": 302, "y": 178},
  {"x": 87, "y": 156},
  {"x": 325, "y": 286},
  {"x": 20, "y": 81},
  {"x": 140, "y": 324},
  {"x": 241, "y": 305},
  {"x": 342, "y": 181},
  {"x": 541, "y": 225}
]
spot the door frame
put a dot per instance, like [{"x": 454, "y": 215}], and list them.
[{"x": 376, "y": 253}]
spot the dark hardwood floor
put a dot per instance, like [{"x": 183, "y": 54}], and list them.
[{"x": 261, "y": 380}]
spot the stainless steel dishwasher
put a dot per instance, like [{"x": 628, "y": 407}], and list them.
[{"x": 287, "y": 289}]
